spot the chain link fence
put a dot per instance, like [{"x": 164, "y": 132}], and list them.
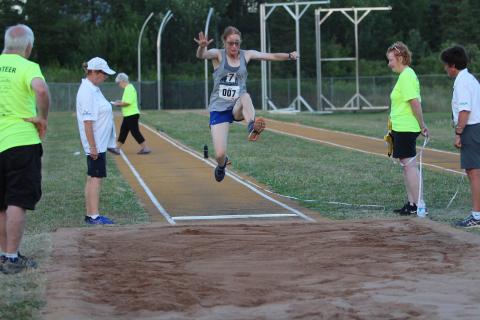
[{"x": 436, "y": 92}]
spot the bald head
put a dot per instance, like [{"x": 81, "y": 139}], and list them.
[{"x": 19, "y": 39}]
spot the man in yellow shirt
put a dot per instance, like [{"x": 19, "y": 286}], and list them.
[{"x": 23, "y": 92}]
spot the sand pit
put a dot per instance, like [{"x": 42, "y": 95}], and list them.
[{"x": 398, "y": 269}]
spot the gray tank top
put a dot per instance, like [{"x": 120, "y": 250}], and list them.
[{"x": 229, "y": 83}]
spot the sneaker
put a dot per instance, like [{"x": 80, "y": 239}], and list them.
[
  {"x": 115, "y": 151},
  {"x": 468, "y": 222},
  {"x": 98, "y": 220},
  {"x": 145, "y": 150},
  {"x": 407, "y": 210},
  {"x": 220, "y": 171},
  {"x": 16, "y": 265},
  {"x": 255, "y": 128}
]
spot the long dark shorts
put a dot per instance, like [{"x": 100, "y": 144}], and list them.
[
  {"x": 470, "y": 150},
  {"x": 97, "y": 168},
  {"x": 130, "y": 124},
  {"x": 404, "y": 144},
  {"x": 21, "y": 176}
]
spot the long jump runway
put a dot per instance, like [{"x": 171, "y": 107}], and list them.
[
  {"x": 276, "y": 267},
  {"x": 177, "y": 185}
]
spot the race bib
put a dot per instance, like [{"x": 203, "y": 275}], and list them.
[{"x": 228, "y": 92}]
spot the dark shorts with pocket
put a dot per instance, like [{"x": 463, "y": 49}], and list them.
[
  {"x": 404, "y": 144},
  {"x": 97, "y": 168},
  {"x": 470, "y": 150},
  {"x": 21, "y": 176}
]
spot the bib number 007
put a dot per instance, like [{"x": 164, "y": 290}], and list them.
[{"x": 229, "y": 92}]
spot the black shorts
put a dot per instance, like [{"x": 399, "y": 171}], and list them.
[
  {"x": 21, "y": 176},
  {"x": 404, "y": 144},
  {"x": 97, "y": 168}
]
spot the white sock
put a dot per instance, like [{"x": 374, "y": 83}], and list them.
[
  {"x": 93, "y": 216},
  {"x": 476, "y": 215},
  {"x": 11, "y": 255}
]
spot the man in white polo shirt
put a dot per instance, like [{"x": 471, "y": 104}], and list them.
[
  {"x": 94, "y": 117},
  {"x": 466, "y": 118}
]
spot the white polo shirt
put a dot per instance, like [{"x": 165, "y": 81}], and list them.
[
  {"x": 92, "y": 105},
  {"x": 466, "y": 97}
]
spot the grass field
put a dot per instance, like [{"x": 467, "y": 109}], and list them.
[{"x": 287, "y": 165}]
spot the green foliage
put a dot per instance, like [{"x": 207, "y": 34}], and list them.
[{"x": 72, "y": 31}]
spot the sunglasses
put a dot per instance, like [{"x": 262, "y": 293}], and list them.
[{"x": 234, "y": 43}]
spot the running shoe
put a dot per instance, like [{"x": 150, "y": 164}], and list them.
[
  {"x": 407, "y": 210},
  {"x": 255, "y": 128},
  {"x": 98, "y": 220},
  {"x": 115, "y": 151},
  {"x": 220, "y": 171},
  {"x": 145, "y": 150},
  {"x": 16, "y": 265},
  {"x": 468, "y": 222}
]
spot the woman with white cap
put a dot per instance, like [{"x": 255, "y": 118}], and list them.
[
  {"x": 131, "y": 115},
  {"x": 94, "y": 117}
]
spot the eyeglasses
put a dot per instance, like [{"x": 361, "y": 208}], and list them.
[
  {"x": 395, "y": 48},
  {"x": 234, "y": 43}
]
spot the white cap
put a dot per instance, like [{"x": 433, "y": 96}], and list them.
[
  {"x": 100, "y": 65},
  {"x": 121, "y": 77}
]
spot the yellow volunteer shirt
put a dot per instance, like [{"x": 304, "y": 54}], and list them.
[
  {"x": 130, "y": 96},
  {"x": 401, "y": 113},
  {"x": 17, "y": 101}
]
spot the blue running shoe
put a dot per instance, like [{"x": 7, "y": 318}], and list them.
[
  {"x": 220, "y": 171},
  {"x": 468, "y": 222},
  {"x": 98, "y": 220}
]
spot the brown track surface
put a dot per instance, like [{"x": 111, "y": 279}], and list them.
[
  {"x": 433, "y": 158},
  {"x": 255, "y": 269}
]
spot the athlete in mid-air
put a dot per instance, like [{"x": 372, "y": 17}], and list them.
[{"x": 229, "y": 100}]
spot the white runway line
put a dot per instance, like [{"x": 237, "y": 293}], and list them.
[
  {"x": 231, "y": 175},
  {"x": 234, "y": 216},
  {"x": 147, "y": 190}
]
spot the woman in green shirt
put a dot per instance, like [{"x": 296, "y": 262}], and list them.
[
  {"x": 131, "y": 115},
  {"x": 407, "y": 121}
]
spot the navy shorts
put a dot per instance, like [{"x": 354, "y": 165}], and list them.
[
  {"x": 217, "y": 117},
  {"x": 404, "y": 144},
  {"x": 97, "y": 168},
  {"x": 21, "y": 176}
]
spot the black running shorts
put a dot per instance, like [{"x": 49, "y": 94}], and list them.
[
  {"x": 21, "y": 176},
  {"x": 404, "y": 144}
]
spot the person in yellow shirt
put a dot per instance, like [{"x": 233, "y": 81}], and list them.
[
  {"x": 407, "y": 121},
  {"x": 131, "y": 115},
  {"x": 23, "y": 93}
]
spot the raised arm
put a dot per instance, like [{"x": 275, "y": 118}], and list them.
[
  {"x": 202, "y": 52},
  {"x": 257, "y": 55}
]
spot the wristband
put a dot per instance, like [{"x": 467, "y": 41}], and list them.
[
  {"x": 289, "y": 56},
  {"x": 458, "y": 134}
]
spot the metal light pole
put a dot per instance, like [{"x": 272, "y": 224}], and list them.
[
  {"x": 165, "y": 20},
  {"x": 210, "y": 12},
  {"x": 139, "y": 60}
]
